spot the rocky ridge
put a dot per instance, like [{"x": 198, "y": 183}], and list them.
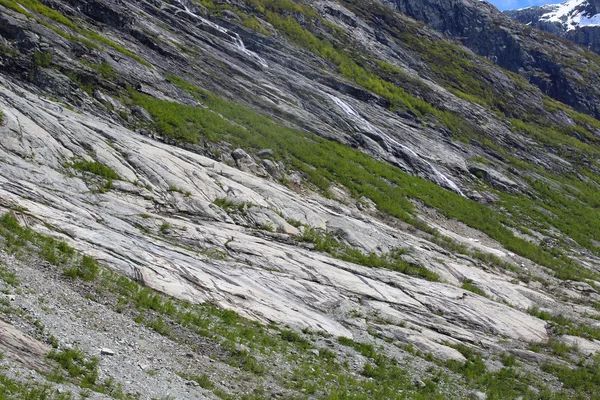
[
  {"x": 577, "y": 21},
  {"x": 516, "y": 47}
]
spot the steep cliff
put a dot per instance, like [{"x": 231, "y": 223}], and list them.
[{"x": 542, "y": 58}]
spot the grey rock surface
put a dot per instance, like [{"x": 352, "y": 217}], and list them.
[{"x": 266, "y": 280}]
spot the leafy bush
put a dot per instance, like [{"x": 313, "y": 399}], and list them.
[
  {"x": 42, "y": 59},
  {"x": 87, "y": 269},
  {"x": 77, "y": 365}
]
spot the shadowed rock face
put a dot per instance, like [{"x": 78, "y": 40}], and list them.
[
  {"x": 490, "y": 33},
  {"x": 586, "y": 36}
]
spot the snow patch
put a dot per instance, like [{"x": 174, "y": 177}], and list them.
[{"x": 571, "y": 14}]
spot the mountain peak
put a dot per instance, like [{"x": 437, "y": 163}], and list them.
[
  {"x": 572, "y": 14},
  {"x": 576, "y": 20}
]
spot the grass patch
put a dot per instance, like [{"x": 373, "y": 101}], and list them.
[
  {"x": 77, "y": 365},
  {"x": 324, "y": 162},
  {"x": 202, "y": 380},
  {"x": 584, "y": 379},
  {"x": 8, "y": 276},
  {"x": 82, "y": 370},
  {"x": 393, "y": 260},
  {"x": 11, "y": 388},
  {"x": 506, "y": 383},
  {"x": 176, "y": 189},
  {"x": 86, "y": 269},
  {"x": 17, "y": 237},
  {"x": 471, "y": 287},
  {"x": 566, "y": 326},
  {"x": 96, "y": 168}
]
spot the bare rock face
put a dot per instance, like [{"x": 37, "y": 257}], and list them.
[
  {"x": 23, "y": 348},
  {"x": 184, "y": 148},
  {"x": 485, "y": 30},
  {"x": 269, "y": 281}
]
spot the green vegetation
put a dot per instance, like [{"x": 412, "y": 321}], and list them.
[
  {"x": 506, "y": 383},
  {"x": 1, "y": 117},
  {"x": 311, "y": 372},
  {"x": 79, "y": 368},
  {"x": 570, "y": 206},
  {"x": 106, "y": 71},
  {"x": 328, "y": 243},
  {"x": 98, "y": 169},
  {"x": 17, "y": 237},
  {"x": 584, "y": 380},
  {"x": 95, "y": 168},
  {"x": 465, "y": 75},
  {"x": 251, "y": 347},
  {"x": 90, "y": 38},
  {"x": 87, "y": 269},
  {"x": 77, "y": 365},
  {"x": 480, "y": 160},
  {"x": 471, "y": 287},
  {"x": 175, "y": 189},
  {"x": 566, "y": 326},
  {"x": 42, "y": 59},
  {"x": 202, "y": 380},
  {"x": 226, "y": 204},
  {"x": 456, "y": 247},
  {"x": 16, "y": 389},
  {"x": 324, "y": 162},
  {"x": 8, "y": 276},
  {"x": 51, "y": 250},
  {"x": 165, "y": 227},
  {"x": 280, "y": 14}
]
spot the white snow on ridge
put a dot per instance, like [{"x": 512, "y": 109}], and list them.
[
  {"x": 594, "y": 20},
  {"x": 570, "y": 14}
]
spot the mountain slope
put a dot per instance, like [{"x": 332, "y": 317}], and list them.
[
  {"x": 576, "y": 20},
  {"x": 543, "y": 59},
  {"x": 335, "y": 167}
]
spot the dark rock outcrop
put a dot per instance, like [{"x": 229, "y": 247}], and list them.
[{"x": 544, "y": 60}]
